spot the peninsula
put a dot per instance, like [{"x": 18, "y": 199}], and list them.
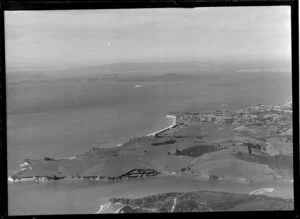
[{"x": 250, "y": 144}]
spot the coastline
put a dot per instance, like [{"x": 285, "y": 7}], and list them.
[
  {"x": 44, "y": 179},
  {"x": 173, "y": 124},
  {"x": 103, "y": 208},
  {"x": 172, "y": 118}
]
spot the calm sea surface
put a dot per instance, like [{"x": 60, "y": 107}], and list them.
[
  {"x": 65, "y": 118},
  {"x": 67, "y": 197}
]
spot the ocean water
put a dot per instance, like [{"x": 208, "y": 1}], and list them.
[{"x": 63, "y": 118}]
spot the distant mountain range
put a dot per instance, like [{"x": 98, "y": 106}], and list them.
[
  {"x": 155, "y": 78},
  {"x": 146, "y": 71}
]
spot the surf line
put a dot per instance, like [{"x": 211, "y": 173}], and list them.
[
  {"x": 172, "y": 118},
  {"x": 260, "y": 191},
  {"x": 173, "y": 207},
  {"x": 103, "y": 208},
  {"x": 173, "y": 124}
]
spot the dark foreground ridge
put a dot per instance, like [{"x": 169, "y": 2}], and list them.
[{"x": 200, "y": 201}]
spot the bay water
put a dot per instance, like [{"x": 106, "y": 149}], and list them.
[{"x": 63, "y": 118}]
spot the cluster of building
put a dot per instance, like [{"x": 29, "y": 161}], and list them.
[{"x": 259, "y": 114}]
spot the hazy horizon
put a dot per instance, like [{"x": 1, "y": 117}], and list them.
[{"x": 67, "y": 39}]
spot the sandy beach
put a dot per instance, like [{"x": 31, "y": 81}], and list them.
[{"x": 172, "y": 118}]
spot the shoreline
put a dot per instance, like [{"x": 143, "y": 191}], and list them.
[
  {"x": 170, "y": 117},
  {"x": 43, "y": 179},
  {"x": 103, "y": 208}
]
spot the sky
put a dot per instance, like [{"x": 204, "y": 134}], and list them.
[{"x": 94, "y": 37}]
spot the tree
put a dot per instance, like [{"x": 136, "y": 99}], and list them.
[{"x": 249, "y": 149}]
